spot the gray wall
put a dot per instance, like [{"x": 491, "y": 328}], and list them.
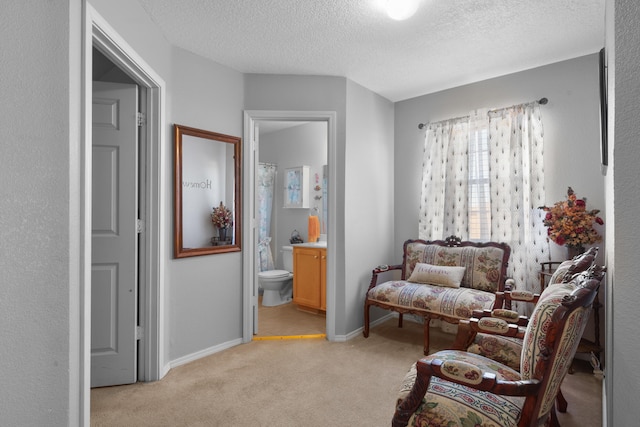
[
  {"x": 39, "y": 337},
  {"x": 364, "y": 147},
  {"x": 199, "y": 292},
  {"x": 205, "y": 292},
  {"x": 139, "y": 31},
  {"x": 309, "y": 93},
  {"x": 369, "y": 202},
  {"x": 622, "y": 375}
]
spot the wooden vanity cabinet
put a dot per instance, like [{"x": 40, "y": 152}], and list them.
[
  {"x": 309, "y": 278},
  {"x": 323, "y": 279}
]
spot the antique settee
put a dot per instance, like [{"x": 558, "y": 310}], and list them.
[{"x": 441, "y": 279}]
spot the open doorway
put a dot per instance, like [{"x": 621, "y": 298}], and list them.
[
  {"x": 252, "y": 135},
  {"x": 147, "y": 326},
  {"x": 287, "y": 147},
  {"x": 116, "y": 241}
]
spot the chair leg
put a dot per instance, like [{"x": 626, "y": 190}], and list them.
[
  {"x": 427, "y": 320},
  {"x": 399, "y": 320},
  {"x": 365, "y": 332},
  {"x": 561, "y": 402},
  {"x": 464, "y": 337},
  {"x": 554, "y": 418}
]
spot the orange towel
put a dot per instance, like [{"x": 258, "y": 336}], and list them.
[{"x": 314, "y": 228}]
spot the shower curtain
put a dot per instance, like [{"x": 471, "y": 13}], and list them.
[{"x": 266, "y": 184}]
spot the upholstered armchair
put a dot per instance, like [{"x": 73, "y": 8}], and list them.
[
  {"x": 497, "y": 334},
  {"x": 454, "y": 387}
]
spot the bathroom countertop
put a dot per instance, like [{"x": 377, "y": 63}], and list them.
[{"x": 322, "y": 244}]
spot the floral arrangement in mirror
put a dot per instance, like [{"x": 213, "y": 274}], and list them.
[
  {"x": 570, "y": 224},
  {"x": 221, "y": 217}
]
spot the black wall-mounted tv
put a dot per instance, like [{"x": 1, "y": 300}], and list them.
[{"x": 603, "y": 110}]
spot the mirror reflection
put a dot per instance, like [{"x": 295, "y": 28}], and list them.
[{"x": 207, "y": 192}]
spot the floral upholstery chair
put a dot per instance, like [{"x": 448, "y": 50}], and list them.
[
  {"x": 497, "y": 334},
  {"x": 458, "y": 388},
  {"x": 488, "y": 334},
  {"x": 441, "y": 279}
]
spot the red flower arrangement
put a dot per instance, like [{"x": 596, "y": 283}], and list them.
[
  {"x": 222, "y": 217},
  {"x": 569, "y": 223}
]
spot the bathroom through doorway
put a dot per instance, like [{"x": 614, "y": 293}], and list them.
[
  {"x": 290, "y": 189},
  {"x": 282, "y": 141}
]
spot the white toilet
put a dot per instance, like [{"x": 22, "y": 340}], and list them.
[{"x": 277, "y": 285}]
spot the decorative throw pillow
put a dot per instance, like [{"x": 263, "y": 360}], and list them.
[{"x": 439, "y": 275}]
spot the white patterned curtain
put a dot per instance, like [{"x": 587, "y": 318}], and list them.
[
  {"x": 488, "y": 159},
  {"x": 444, "y": 181},
  {"x": 517, "y": 190},
  {"x": 266, "y": 183}
]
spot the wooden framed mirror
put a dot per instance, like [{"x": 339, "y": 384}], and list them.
[{"x": 207, "y": 192}]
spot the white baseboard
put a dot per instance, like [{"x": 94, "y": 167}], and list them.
[
  {"x": 203, "y": 353},
  {"x": 218, "y": 348},
  {"x": 165, "y": 370},
  {"x": 353, "y": 334}
]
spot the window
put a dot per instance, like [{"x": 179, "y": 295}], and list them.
[{"x": 479, "y": 187}]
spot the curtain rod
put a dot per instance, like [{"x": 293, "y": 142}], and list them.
[{"x": 541, "y": 101}]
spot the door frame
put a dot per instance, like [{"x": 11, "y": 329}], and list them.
[
  {"x": 249, "y": 261},
  {"x": 97, "y": 32}
]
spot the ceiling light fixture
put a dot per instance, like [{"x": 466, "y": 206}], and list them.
[{"x": 401, "y": 9}]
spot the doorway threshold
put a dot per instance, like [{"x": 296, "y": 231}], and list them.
[{"x": 289, "y": 337}]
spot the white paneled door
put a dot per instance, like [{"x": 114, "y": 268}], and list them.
[{"x": 114, "y": 244}]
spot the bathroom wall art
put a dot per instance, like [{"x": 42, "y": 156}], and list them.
[{"x": 296, "y": 187}]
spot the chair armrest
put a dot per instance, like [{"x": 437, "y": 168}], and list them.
[
  {"x": 506, "y": 298},
  {"x": 522, "y": 296},
  {"x": 485, "y": 381},
  {"x": 508, "y": 315},
  {"x": 469, "y": 328},
  {"x": 381, "y": 269},
  {"x": 460, "y": 373},
  {"x": 495, "y": 326}
]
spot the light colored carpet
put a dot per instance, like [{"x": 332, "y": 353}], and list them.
[{"x": 309, "y": 382}]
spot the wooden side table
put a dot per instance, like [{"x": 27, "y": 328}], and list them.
[
  {"x": 546, "y": 271},
  {"x": 587, "y": 346}
]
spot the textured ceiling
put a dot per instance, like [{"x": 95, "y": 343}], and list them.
[{"x": 447, "y": 43}]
